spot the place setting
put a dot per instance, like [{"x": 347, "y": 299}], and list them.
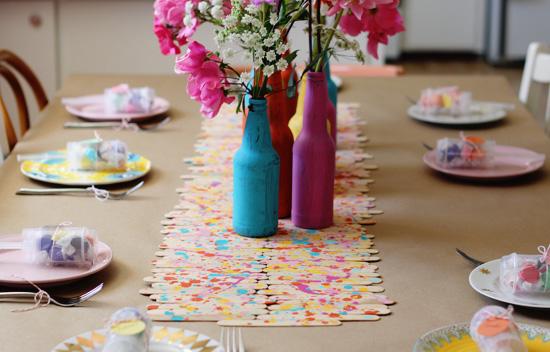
[
  {"x": 478, "y": 158},
  {"x": 452, "y": 106},
  {"x": 85, "y": 165},
  {"x": 119, "y": 107},
  {"x": 51, "y": 256},
  {"x": 516, "y": 279}
]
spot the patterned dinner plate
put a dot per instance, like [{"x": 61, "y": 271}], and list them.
[
  {"x": 456, "y": 338},
  {"x": 55, "y": 169},
  {"x": 163, "y": 339},
  {"x": 485, "y": 280}
]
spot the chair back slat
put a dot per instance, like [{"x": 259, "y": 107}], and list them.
[
  {"x": 535, "y": 83},
  {"x": 18, "y": 64},
  {"x": 23, "y": 110},
  {"x": 8, "y": 126},
  {"x": 541, "y": 71},
  {"x": 10, "y": 63}
]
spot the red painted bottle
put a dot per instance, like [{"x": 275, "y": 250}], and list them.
[{"x": 278, "y": 111}]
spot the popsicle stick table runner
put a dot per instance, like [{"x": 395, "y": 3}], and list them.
[{"x": 205, "y": 272}]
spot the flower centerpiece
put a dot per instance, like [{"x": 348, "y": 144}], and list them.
[{"x": 259, "y": 29}]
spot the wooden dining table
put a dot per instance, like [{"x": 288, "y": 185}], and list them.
[{"x": 427, "y": 216}]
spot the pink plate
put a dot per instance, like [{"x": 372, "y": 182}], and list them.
[
  {"x": 92, "y": 109},
  {"x": 12, "y": 264},
  {"x": 509, "y": 162}
]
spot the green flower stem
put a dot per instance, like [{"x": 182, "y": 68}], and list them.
[{"x": 329, "y": 39}]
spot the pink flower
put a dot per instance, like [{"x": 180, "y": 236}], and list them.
[
  {"x": 173, "y": 25},
  {"x": 206, "y": 83},
  {"x": 166, "y": 40},
  {"x": 357, "y": 7},
  {"x": 351, "y": 25},
  {"x": 193, "y": 60},
  {"x": 170, "y": 12},
  {"x": 380, "y": 18},
  {"x": 382, "y": 22}
]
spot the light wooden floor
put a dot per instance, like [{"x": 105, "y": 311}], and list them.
[{"x": 457, "y": 64}]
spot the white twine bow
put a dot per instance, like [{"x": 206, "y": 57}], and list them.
[
  {"x": 60, "y": 225},
  {"x": 125, "y": 124},
  {"x": 38, "y": 297},
  {"x": 99, "y": 194},
  {"x": 544, "y": 254},
  {"x": 97, "y": 136}
]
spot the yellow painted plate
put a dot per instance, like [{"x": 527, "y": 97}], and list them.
[
  {"x": 55, "y": 169},
  {"x": 456, "y": 338},
  {"x": 163, "y": 339}
]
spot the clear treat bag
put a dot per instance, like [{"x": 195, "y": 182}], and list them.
[
  {"x": 526, "y": 274},
  {"x": 128, "y": 330},
  {"x": 494, "y": 330},
  {"x": 465, "y": 152},
  {"x": 97, "y": 155},
  {"x": 123, "y": 99},
  {"x": 445, "y": 100},
  {"x": 60, "y": 246}
]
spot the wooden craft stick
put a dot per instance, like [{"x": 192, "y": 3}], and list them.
[{"x": 281, "y": 323}]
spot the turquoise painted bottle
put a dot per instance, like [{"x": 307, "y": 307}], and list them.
[
  {"x": 332, "y": 88},
  {"x": 256, "y": 177}
]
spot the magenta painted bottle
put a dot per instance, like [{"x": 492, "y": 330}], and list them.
[{"x": 313, "y": 161}]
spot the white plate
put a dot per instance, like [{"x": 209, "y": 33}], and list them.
[
  {"x": 92, "y": 109},
  {"x": 488, "y": 113},
  {"x": 163, "y": 339},
  {"x": 485, "y": 280}
]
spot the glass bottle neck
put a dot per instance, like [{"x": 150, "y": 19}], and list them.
[{"x": 256, "y": 133}]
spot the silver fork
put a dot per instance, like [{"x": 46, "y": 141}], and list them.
[
  {"x": 57, "y": 300},
  {"x": 472, "y": 260},
  {"x": 231, "y": 339},
  {"x": 98, "y": 192}
]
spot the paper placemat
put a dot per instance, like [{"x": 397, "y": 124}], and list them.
[{"x": 204, "y": 271}]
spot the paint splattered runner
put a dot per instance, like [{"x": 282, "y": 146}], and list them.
[{"x": 205, "y": 272}]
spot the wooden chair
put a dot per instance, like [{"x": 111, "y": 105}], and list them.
[
  {"x": 535, "y": 83},
  {"x": 10, "y": 62}
]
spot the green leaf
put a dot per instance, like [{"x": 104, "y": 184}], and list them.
[
  {"x": 291, "y": 56},
  {"x": 239, "y": 102}
]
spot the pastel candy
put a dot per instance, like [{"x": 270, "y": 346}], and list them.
[
  {"x": 493, "y": 329},
  {"x": 467, "y": 152},
  {"x": 97, "y": 155},
  {"x": 123, "y": 99},
  {"x": 127, "y": 331},
  {"x": 59, "y": 246},
  {"x": 524, "y": 274}
]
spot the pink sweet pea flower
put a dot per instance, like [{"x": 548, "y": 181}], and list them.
[
  {"x": 170, "y": 12},
  {"x": 192, "y": 61},
  {"x": 166, "y": 40},
  {"x": 172, "y": 25},
  {"x": 206, "y": 83}
]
